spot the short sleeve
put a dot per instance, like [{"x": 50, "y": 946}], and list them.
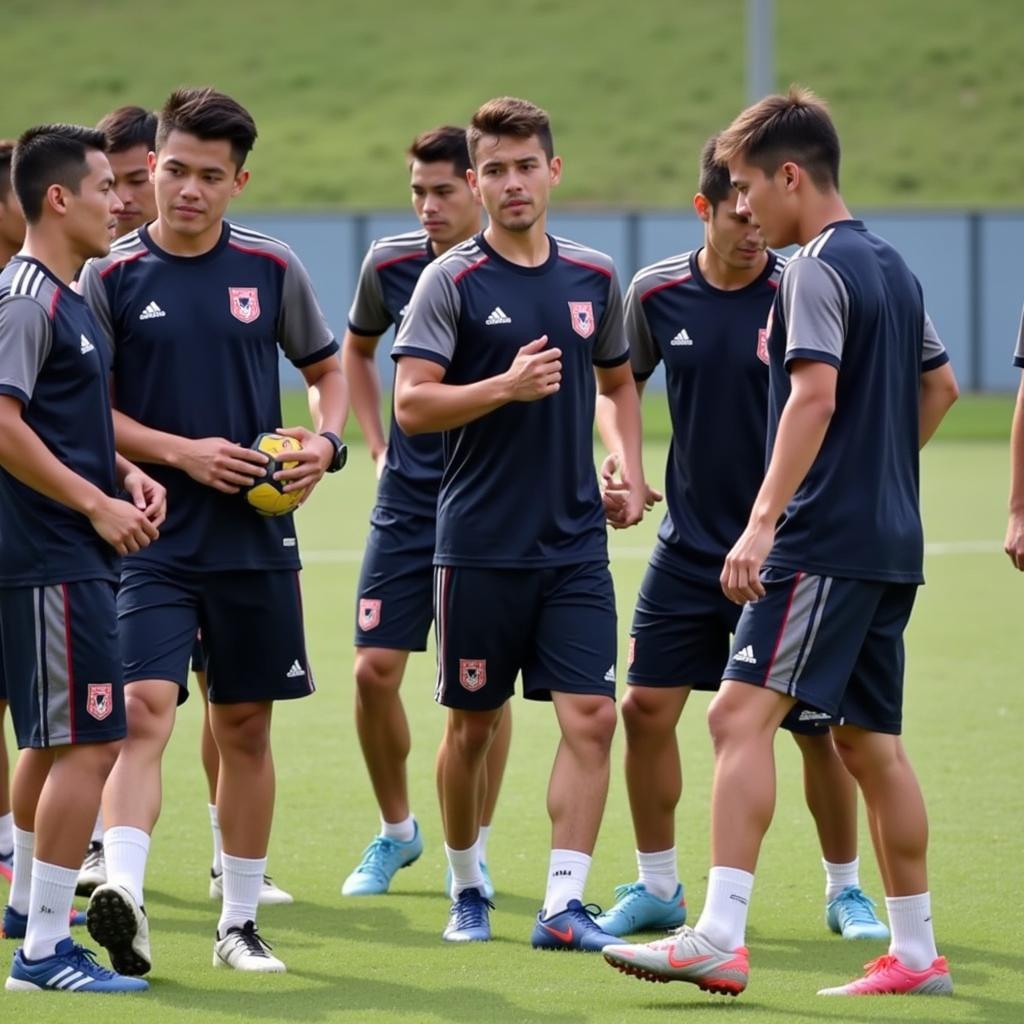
[
  {"x": 430, "y": 325},
  {"x": 933, "y": 352},
  {"x": 25, "y": 339},
  {"x": 368, "y": 316},
  {"x": 815, "y": 309},
  {"x": 610, "y": 346},
  {"x": 303, "y": 333},
  {"x": 1018, "y": 354},
  {"x": 643, "y": 350},
  {"x": 92, "y": 288}
]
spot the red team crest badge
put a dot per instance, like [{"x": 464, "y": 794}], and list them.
[
  {"x": 472, "y": 673},
  {"x": 99, "y": 701},
  {"x": 582, "y": 316},
  {"x": 369, "y": 613},
  {"x": 245, "y": 304},
  {"x": 762, "y": 344}
]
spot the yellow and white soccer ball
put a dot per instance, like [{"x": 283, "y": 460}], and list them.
[{"x": 267, "y": 495}]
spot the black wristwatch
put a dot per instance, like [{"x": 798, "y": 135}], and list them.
[{"x": 340, "y": 451}]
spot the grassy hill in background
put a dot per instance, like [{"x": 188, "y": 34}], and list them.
[{"x": 928, "y": 97}]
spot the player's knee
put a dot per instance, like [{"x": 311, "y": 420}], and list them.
[
  {"x": 725, "y": 720},
  {"x": 377, "y": 674},
  {"x": 593, "y": 723},
  {"x": 245, "y": 736},
  {"x": 149, "y": 720},
  {"x": 471, "y": 732},
  {"x": 643, "y": 714},
  {"x": 95, "y": 759}
]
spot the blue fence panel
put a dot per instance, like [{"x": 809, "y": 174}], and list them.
[{"x": 1001, "y": 288}]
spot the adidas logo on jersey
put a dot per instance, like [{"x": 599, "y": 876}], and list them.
[
  {"x": 682, "y": 338},
  {"x": 609, "y": 676},
  {"x": 296, "y": 670},
  {"x": 404, "y": 310},
  {"x": 746, "y": 655},
  {"x": 151, "y": 312},
  {"x": 498, "y": 316},
  {"x": 813, "y": 716},
  {"x": 87, "y": 346}
]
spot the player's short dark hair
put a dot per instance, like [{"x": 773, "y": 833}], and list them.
[
  {"x": 714, "y": 183},
  {"x": 508, "y": 115},
  {"x": 445, "y": 143},
  {"x": 51, "y": 154},
  {"x": 208, "y": 115},
  {"x": 6, "y": 152},
  {"x": 778, "y": 129},
  {"x": 128, "y": 127}
]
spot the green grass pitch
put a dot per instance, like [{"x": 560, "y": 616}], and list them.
[{"x": 381, "y": 959}]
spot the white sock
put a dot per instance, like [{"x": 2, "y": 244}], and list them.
[
  {"x": 567, "y": 878},
  {"x": 97, "y": 830},
  {"x": 218, "y": 846},
  {"x": 723, "y": 921},
  {"x": 466, "y": 874},
  {"x": 243, "y": 879},
  {"x": 481, "y": 842},
  {"x": 6, "y": 832},
  {"x": 21, "y": 884},
  {"x": 658, "y": 872},
  {"x": 839, "y": 876},
  {"x": 126, "y": 850},
  {"x": 400, "y": 831},
  {"x": 53, "y": 890},
  {"x": 913, "y": 939}
]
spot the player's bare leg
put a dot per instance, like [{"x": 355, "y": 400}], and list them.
[
  {"x": 494, "y": 771},
  {"x": 207, "y": 744},
  {"x": 6, "y": 820},
  {"x": 383, "y": 727}
]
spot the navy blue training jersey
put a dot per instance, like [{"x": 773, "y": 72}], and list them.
[
  {"x": 716, "y": 373},
  {"x": 54, "y": 360},
  {"x": 519, "y": 486},
  {"x": 195, "y": 343},
  {"x": 391, "y": 268},
  {"x": 848, "y": 299}
]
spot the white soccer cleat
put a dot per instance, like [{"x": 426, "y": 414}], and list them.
[
  {"x": 119, "y": 924},
  {"x": 271, "y": 894},
  {"x": 244, "y": 949},
  {"x": 93, "y": 872}
]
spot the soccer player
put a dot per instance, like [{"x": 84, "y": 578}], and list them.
[
  {"x": 499, "y": 349},
  {"x": 703, "y": 314},
  {"x": 1014, "y": 544},
  {"x": 131, "y": 137},
  {"x": 829, "y": 563},
  {"x": 195, "y": 309},
  {"x": 62, "y": 526},
  {"x": 396, "y": 585},
  {"x": 12, "y": 235}
]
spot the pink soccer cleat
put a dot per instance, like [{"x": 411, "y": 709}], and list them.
[{"x": 886, "y": 976}]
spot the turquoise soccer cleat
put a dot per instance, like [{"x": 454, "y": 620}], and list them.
[
  {"x": 852, "y": 915},
  {"x": 381, "y": 859},
  {"x": 636, "y": 910}
]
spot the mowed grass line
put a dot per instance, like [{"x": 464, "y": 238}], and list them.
[
  {"x": 918, "y": 90},
  {"x": 381, "y": 959}
]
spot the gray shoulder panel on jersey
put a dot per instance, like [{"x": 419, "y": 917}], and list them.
[
  {"x": 671, "y": 270},
  {"x": 26, "y": 335},
  {"x": 933, "y": 351},
  {"x": 430, "y": 326},
  {"x": 255, "y": 241},
  {"x": 816, "y": 306},
  {"x": 572, "y": 250},
  {"x": 302, "y": 329},
  {"x": 93, "y": 290},
  {"x": 368, "y": 315}
]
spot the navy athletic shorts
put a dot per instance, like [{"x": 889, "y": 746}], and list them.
[
  {"x": 396, "y": 585},
  {"x": 198, "y": 655},
  {"x": 251, "y": 623},
  {"x": 835, "y": 644},
  {"x": 681, "y": 634},
  {"x": 62, "y": 662},
  {"x": 556, "y": 626}
]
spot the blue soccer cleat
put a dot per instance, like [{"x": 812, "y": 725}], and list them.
[
  {"x": 381, "y": 859},
  {"x": 637, "y": 910},
  {"x": 71, "y": 969},
  {"x": 488, "y": 884},
  {"x": 852, "y": 915},
  {"x": 16, "y": 924},
  {"x": 469, "y": 920},
  {"x": 574, "y": 928}
]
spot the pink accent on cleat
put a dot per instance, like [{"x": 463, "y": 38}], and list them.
[{"x": 886, "y": 976}]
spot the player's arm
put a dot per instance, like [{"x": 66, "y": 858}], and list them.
[
  {"x": 360, "y": 366},
  {"x": 619, "y": 395},
  {"x": 146, "y": 494},
  {"x": 816, "y": 306},
  {"x": 24, "y": 455},
  {"x": 939, "y": 389},
  {"x": 1014, "y": 544},
  {"x": 327, "y": 393}
]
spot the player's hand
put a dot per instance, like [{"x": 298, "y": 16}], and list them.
[
  {"x": 147, "y": 495},
  {"x": 1014, "y": 543},
  {"x": 221, "y": 464},
  {"x": 536, "y": 372},
  {"x": 313, "y": 460},
  {"x": 123, "y": 526},
  {"x": 741, "y": 574},
  {"x": 624, "y": 505},
  {"x": 380, "y": 460}
]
